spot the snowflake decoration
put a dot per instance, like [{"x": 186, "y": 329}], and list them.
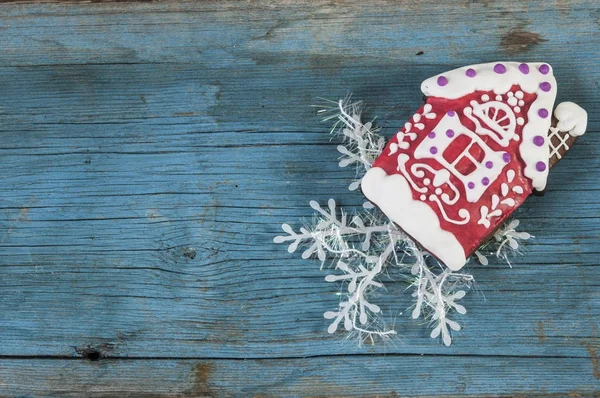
[
  {"x": 366, "y": 245},
  {"x": 506, "y": 235},
  {"x": 357, "y": 246}
]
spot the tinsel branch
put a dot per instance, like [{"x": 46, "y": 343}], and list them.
[
  {"x": 360, "y": 283},
  {"x": 361, "y": 143},
  {"x": 330, "y": 233},
  {"x": 364, "y": 248},
  {"x": 497, "y": 245},
  {"x": 436, "y": 294}
]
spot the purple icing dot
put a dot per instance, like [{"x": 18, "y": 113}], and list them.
[
  {"x": 545, "y": 86},
  {"x": 431, "y": 135},
  {"x": 506, "y": 157},
  {"x": 524, "y": 68},
  {"x": 489, "y": 164},
  {"x": 544, "y": 69},
  {"x": 451, "y": 113},
  {"x": 499, "y": 68},
  {"x": 540, "y": 166},
  {"x": 543, "y": 113},
  {"x": 470, "y": 72},
  {"x": 433, "y": 150},
  {"x": 485, "y": 181},
  {"x": 442, "y": 81},
  {"x": 538, "y": 140},
  {"x": 450, "y": 133},
  {"x": 471, "y": 185}
]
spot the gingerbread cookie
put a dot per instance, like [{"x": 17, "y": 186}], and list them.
[{"x": 480, "y": 145}]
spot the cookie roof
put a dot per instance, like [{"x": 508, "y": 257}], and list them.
[{"x": 499, "y": 77}]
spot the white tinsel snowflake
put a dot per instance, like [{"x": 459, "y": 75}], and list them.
[
  {"x": 497, "y": 245},
  {"x": 363, "y": 247}
]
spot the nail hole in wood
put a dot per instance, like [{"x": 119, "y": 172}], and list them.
[{"x": 92, "y": 355}]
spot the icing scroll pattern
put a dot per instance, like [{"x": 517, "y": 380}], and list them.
[
  {"x": 440, "y": 178},
  {"x": 493, "y": 211}
]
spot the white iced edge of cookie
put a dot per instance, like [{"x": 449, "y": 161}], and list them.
[
  {"x": 571, "y": 118},
  {"x": 489, "y": 77},
  {"x": 393, "y": 196}
]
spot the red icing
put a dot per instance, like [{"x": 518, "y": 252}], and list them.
[{"x": 471, "y": 234}]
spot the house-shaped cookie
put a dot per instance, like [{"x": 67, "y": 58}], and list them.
[{"x": 483, "y": 141}]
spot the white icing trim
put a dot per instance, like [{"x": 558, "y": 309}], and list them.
[
  {"x": 402, "y": 159},
  {"x": 562, "y": 142},
  {"x": 571, "y": 117},
  {"x": 439, "y": 140},
  {"x": 463, "y": 213},
  {"x": 441, "y": 177},
  {"x": 486, "y": 215},
  {"x": 393, "y": 196},
  {"x": 501, "y": 134},
  {"x": 458, "y": 84},
  {"x": 572, "y": 120}
]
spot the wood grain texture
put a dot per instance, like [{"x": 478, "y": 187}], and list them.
[
  {"x": 150, "y": 152},
  {"x": 353, "y": 376}
]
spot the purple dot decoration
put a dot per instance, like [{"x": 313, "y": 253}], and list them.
[
  {"x": 506, "y": 157},
  {"x": 538, "y": 140},
  {"x": 543, "y": 113},
  {"x": 451, "y": 113},
  {"x": 499, "y": 68},
  {"x": 470, "y": 72},
  {"x": 450, "y": 133},
  {"x": 545, "y": 86},
  {"x": 540, "y": 166},
  {"x": 544, "y": 69},
  {"x": 485, "y": 181},
  {"x": 431, "y": 135},
  {"x": 433, "y": 150},
  {"x": 442, "y": 81},
  {"x": 524, "y": 68},
  {"x": 489, "y": 164},
  {"x": 471, "y": 185}
]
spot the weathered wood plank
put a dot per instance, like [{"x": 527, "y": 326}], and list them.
[
  {"x": 348, "y": 376},
  {"x": 150, "y": 152}
]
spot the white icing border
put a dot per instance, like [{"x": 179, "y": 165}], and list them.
[
  {"x": 486, "y": 79},
  {"x": 571, "y": 118},
  {"x": 393, "y": 196}
]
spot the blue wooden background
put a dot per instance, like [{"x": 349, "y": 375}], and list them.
[{"x": 150, "y": 151}]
